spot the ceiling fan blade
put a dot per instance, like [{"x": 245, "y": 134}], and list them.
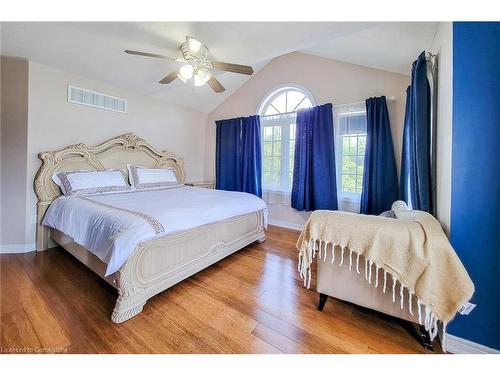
[
  {"x": 215, "y": 85},
  {"x": 168, "y": 79},
  {"x": 233, "y": 68},
  {"x": 147, "y": 54}
]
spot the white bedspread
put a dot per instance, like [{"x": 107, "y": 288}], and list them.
[{"x": 112, "y": 225}]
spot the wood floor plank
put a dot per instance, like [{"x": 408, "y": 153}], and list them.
[
  {"x": 281, "y": 342},
  {"x": 17, "y": 333},
  {"x": 250, "y": 302},
  {"x": 13, "y": 293},
  {"x": 226, "y": 323},
  {"x": 50, "y": 332}
]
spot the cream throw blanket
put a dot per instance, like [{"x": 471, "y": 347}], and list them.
[{"x": 411, "y": 249}]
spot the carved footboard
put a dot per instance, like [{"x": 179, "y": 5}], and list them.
[{"x": 158, "y": 264}]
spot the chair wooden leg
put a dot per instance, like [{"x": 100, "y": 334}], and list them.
[
  {"x": 322, "y": 301},
  {"x": 426, "y": 339}
]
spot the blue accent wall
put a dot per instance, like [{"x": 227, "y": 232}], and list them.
[{"x": 475, "y": 196}]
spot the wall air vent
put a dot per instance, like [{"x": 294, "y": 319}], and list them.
[{"x": 96, "y": 99}]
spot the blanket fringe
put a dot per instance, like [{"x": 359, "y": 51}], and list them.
[
  {"x": 410, "y": 307},
  {"x": 394, "y": 288},
  {"x": 306, "y": 256},
  {"x": 443, "y": 341},
  {"x": 385, "y": 280},
  {"x": 419, "y": 308},
  {"x": 401, "y": 295}
]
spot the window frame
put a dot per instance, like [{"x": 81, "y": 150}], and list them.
[
  {"x": 287, "y": 120},
  {"x": 357, "y": 155},
  {"x": 348, "y": 201}
]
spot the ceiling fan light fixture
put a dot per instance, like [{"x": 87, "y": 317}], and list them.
[
  {"x": 181, "y": 78},
  {"x": 185, "y": 73},
  {"x": 194, "y": 45},
  {"x": 196, "y": 69},
  {"x": 201, "y": 76}
]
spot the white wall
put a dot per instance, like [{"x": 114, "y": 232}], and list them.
[
  {"x": 442, "y": 45},
  {"x": 54, "y": 123},
  {"x": 14, "y": 134},
  {"x": 328, "y": 81}
]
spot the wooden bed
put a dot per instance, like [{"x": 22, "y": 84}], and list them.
[{"x": 154, "y": 265}]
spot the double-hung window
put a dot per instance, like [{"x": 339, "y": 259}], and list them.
[
  {"x": 278, "y": 114},
  {"x": 350, "y": 135}
]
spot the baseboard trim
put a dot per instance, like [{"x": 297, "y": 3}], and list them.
[
  {"x": 458, "y": 345},
  {"x": 286, "y": 224},
  {"x": 17, "y": 249}
]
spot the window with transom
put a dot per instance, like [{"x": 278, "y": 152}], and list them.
[{"x": 278, "y": 114}]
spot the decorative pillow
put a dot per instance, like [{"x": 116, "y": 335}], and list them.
[
  {"x": 144, "y": 178},
  {"x": 399, "y": 205},
  {"x": 91, "y": 182}
]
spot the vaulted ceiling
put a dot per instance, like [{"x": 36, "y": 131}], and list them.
[{"x": 95, "y": 49}]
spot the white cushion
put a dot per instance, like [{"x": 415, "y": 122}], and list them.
[
  {"x": 91, "y": 182},
  {"x": 399, "y": 205},
  {"x": 144, "y": 178}
]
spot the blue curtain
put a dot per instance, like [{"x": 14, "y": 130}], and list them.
[
  {"x": 380, "y": 180},
  {"x": 416, "y": 188},
  {"x": 251, "y": 171},
  {"x": 314, "y": 184},
  {"x": 404, "y": 184},
  {"x": 238, "y": 155},
  {"x": 228, "y": 154}
]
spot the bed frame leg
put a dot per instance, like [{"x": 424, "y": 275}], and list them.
[
  {"x": 426, "y": 339},
  {"x": 121, "y": 313},
  {"x": 322, "y": 301},
  {"x": 130, "y": 301}
]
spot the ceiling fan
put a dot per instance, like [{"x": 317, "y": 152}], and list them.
[{"x": 197, "y": 68}]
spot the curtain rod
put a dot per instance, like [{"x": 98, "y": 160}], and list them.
[{"x": 389, "y": 99}]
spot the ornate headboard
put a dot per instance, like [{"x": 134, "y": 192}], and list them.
[{"x": 114, "y": 153}]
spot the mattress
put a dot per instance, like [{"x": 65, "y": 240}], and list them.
[{"x": 112, "y": 225}]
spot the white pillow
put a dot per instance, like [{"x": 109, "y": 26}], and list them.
[
  {"x": 399, "y": 205},
  {"x": 144, "y": 178},
  {"x": 91, "y": 182}
]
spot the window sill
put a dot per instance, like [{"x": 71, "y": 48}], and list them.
[
  {"x": 272, "y": 191},
  {"x": 347, "y": 197}
]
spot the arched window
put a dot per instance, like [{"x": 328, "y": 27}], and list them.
[{"x": 278, "y": 114}]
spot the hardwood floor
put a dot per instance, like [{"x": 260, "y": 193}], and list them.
[{"x": 250, "y": 302}]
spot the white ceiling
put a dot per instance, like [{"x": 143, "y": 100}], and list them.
[
  {"x": 391, "y": 46},
  {"x": 95, "y": 49}
]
